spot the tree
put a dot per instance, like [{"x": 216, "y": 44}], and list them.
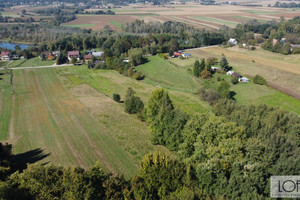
[
  {"x": 259, "y": 80},
  {"x": 73, "y": 61},
  {"x": 133, "y": 104},
  {"x": 202, "y": 65},
  {"x": 60, "y": 59},
  {"x": 116, "y": 97},
  {"x": 224, "y": 64},
  {"x": 223, "y": 89},
  {"x": 197, "y": 68},
  {"x": 234, "y": 80},
  {"x": 205, "y": 74},
  {"x": 136, "y": 56}
]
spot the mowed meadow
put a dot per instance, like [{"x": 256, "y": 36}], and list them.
[{"x": 71, "y": 127}]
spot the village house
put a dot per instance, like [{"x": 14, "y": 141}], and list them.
[
  {"x": 176, "y": 54},
  {"x": 5, "y": 56},
  {"x": 88, "y": 57},
  {"x": 293, "y": 46},
  {"x": 73, "y": 54},
  {"x": 47, "y": 55},
  {"x": 98, "y": 54},
  {"x": 215, "y": 69},
  {"x": 230, "y": 72},
  {"x": 186, "y": 55},
  {"x": 232, "y": 41},
  {"x": 244, "y": 80}
]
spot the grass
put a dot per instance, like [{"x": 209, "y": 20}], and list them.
[
  {"x": 10, "y": 14},
  {"x": 33, "y": 62},
  {"x": 262, "y": 12},
  {"x": 5, "y": 105},
  {"x": 218, "y": 21},
  {"x": 116, "y": 24},
  {"x": 48, "y": 116},
  {"x": 161, "y": 71},
  {"x": 79, "y": 25},
  {"x": 108, "y": 82},
  {"x": 247, "y": 19}
]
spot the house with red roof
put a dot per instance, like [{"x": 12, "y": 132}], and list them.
[
  {"x": 5, "y": 56},
  {"x": 73, "y": 54}
]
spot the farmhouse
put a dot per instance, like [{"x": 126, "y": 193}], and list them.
[
  {"x": 47, "y": 55},
  {"x": 215, "y": 69},
  {"x": 5, "y": 56},
  {"x": 98, "y": 54},
  {"x": 88, "y": 57},
  {"x": 274, "y": 41},
  {"x": 230, "y": 72},
  {"x": 236, "y": 75},
  {"x": 73, "y": 54},
  {"x": 186, "y": 55},
  {"x": 232, "y": 41},
  {"x": 244, "y": 80},
  {"x": 177, "y": 54}
]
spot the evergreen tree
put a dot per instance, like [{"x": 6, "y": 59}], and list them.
[
  {"x": 224, "y": 64},
  {"x": 133, "y": 104},
  {"x": 197, "y": 68}
]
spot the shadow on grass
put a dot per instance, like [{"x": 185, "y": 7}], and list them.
[{"x": 21, "y": 160}]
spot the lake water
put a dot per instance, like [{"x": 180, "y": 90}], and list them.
[{"x": 11, "y": 46}]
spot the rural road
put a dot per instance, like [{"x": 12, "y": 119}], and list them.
[{"x": 38, "y": 67}]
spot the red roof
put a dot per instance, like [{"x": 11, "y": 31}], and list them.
[
  {"x": 89, "y": 56},
  {"x": 177, "y": 54},
  {"x": 5, "y": 53},
  {"x": 73, "y": 53}
]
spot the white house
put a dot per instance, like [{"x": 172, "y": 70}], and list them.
[
  {"x": 186, "y": 55},
  {"x": 244, "y": 80},
  {"x": 230, "y": 72},
  {"x": 232, "y": 41},
  {"x": 98, "y": 54},
  {"x": 215, "y": 69}
]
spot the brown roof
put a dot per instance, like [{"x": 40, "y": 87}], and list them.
[
  {"x": 236, "y": 75},
  {"x": 73, "y": 53},
  {"x": 89, "y": 56}
]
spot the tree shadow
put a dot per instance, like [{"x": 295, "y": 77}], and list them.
[
  {"x": 20, "y": 161},
  {"x": 232, "y": 94}
]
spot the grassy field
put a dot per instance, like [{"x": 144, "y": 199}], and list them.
[
  {"x": 108, "y": 82},
  {"x": 75, "y": 126},
  {"x": 33, "y": 62},
  {"x": 282, "y": 72},
  {"x": 116, "y": 24},
  {"x": 80, "y": 25},
  {"x": 160, "y": 70},
  {"x": 5, "y": 104},
  {"x": 250, "y": 93},
  {"x": 218, "y": 21}
]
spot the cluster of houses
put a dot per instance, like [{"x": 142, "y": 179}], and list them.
[
  {"x": 7, "y": 56},
  {"x": 180, "y": 53},
  {"x": 282, "y": 41},
  {"x": 241, "y": 78}
]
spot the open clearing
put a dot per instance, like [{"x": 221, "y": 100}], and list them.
[
  {"x": 33, "y": 62},
  {"x": 282, "y": 72},
  {"x": 76, "y": 127}
]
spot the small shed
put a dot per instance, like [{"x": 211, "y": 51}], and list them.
[
  {"x": 236, "y": 75},
  {"x": 186, "y": 55},
  {"x": 230, "y": 72},
  {"x": 232, "y": 41}
]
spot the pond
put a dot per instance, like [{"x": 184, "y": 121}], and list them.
[{"x": 11, "y": 46}]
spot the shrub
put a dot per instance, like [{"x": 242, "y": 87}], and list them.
[
  {"x": 253, "y": 48},
  {"x": 234, "y": 80},
  {"x": 205, "y": 74},
  {"x": 116, "y": 97},
  {"x": 259, "y": 80},
  {"x": 138, "y": 76},
  {"x": 133, "y": 104}
]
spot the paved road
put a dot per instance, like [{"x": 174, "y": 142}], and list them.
[{"x": 38, "y": 67}]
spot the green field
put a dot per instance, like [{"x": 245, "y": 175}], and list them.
[
  {"x": 218, "y": 21},
  {"x": 79, "y": 25},
  {"x": 161, "y": 71},
  {"x": 5, "y": 104},
  {"x": 33, "y": 62},
  {"x": 263, "y": 12},
  {"x": 250, "y": 93},
  {"x": 48, "y": 116},
  {"x": 116, "y": 24}
]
